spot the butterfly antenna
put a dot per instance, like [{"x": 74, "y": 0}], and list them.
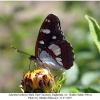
[
  {"x": 23, "y": 53},
  {"x": 19, "y": 50}
]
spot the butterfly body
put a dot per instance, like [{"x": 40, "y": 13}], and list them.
[{"x": 52, "y": 50}]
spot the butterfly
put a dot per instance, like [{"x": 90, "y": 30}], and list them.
[{"x": 52, "y": 50}]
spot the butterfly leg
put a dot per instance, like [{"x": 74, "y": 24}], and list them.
[{"x": 35, "y": 65}]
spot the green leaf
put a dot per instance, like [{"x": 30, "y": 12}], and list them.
[
  {"x": 61, "y": 77},
  {"x": 61, "y": 81},
  {"x": 94, "y": 30},
  {"x": 74, "y": 90},
  {"x": 88, "y": 90}
]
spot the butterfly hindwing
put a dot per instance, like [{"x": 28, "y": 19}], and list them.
[
  {"x": 62, "y": 52},
  {"x": 67, "y": 55}
]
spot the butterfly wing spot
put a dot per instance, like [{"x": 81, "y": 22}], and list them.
[
  {"x": 62, "y": 33},
  {"x": 60, "y": 63},
  {"x": 57, "y": 53},
  {"x": 47, "y": 20},
  {"x": 58, "y": 24},
  {"x": 59, "y": 28},
  {"x": 51, "y": 46},
  {"x": 54, "y": 37},
  {"x": 46, "y": 31},
  {"x": 41, "y": 42},
  {"x": 58, "y": 59},
  {"x": 57, "y": 50}
]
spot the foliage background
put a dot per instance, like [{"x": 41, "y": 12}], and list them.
[{"x": 19, "y": 26}]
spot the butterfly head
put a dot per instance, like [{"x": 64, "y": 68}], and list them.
[{"x": 32, "y": 57}]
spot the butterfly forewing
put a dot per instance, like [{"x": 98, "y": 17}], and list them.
[
  {"x": 49, "y": 32},
  {"x": 51, "y": 46}
]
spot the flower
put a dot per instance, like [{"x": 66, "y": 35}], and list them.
[{"x": 38, "y": 81}]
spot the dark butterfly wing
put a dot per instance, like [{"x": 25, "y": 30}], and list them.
[
  {"x": 66, "y": 54},
  {"x": 50, "y": 31},
  {"x": 51, "y": 39}
]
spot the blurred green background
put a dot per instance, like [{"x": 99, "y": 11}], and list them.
[{"x": 19, "y": 26}]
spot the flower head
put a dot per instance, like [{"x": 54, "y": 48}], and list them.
[{"x": 38, "y": 81}]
